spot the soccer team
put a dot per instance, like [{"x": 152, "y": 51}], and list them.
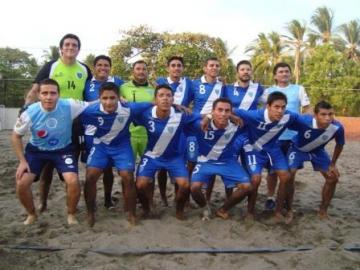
[{"x": 112, "y": 123}]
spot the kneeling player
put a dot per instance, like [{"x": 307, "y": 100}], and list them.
[
  {"x": 110, "y": 122},
  {"x": 309, "y": 145},
  {"x": 217, "y": 157}
]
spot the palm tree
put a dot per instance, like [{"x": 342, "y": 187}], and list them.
[
  {"x": 351, "y": 39},
  {"x": 297, "y": 43},
  {"x": 323, "y": 20},
  {"x": 52, "y": 54},
  {"x": 266, "y": 50}
]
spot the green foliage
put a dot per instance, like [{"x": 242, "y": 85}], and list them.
[
  {"x": 330, "y": 76},
  {"x": 17, "y": 68},
  {"x": 89, "y": 61},
  {"x": 53, "y": 53},
  {"x": 156, "y": 48}
]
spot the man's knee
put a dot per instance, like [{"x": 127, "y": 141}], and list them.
[
  {"x": 247, "y": 187},
  {"x": 196, "y": 188},
  {"x": 332, "y": 180},
  {"x": 24, "y": 182}
]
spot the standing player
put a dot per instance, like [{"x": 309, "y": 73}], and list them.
[
  {"x": 309, "y": 145},
  {"x": 183, "y": 95},
  {"x": 109, "y": 122},
  {"x": 138, "y": 90},
  {"x": 102, "y": 68},
  {"x": 264, "y": 127},
  {"x": 206, "y": 90},
  {"x": 71, "y": 76},
  {"x": 217, "y": 157},
  {"x": 164, "y": 126},
  {"x": 298, "y": 101},
  {"x": 49, "y": 121},
  {"x": 243, "y": 94}
]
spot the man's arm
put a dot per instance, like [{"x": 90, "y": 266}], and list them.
[
  {"x": 32, "y": 95},
  {"x": 16, "y": 141}
]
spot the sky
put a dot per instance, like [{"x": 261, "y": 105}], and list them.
[{"x": 35, "y": 25}]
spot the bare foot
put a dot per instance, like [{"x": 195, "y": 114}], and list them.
[
  {"x": 180, "y": 215},
  {"x": 71, "y": 220},
  {"x": 30, "y": 219},
  {"x": 249, "y": 217},
  {"x": 323, "y": 215},
  {"x": 222, "y": 214},
  {"x": 91, "y": 219},
  {"x": 132, "y": 220},
  {"x": 278, "y": 218},
  {"x": 289, "y": 217}
]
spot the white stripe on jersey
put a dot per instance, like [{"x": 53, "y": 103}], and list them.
[
  {"x": 258, "y": 145},
  {"x": 118, "y": 125},
  {"x": 221, "y": 143},
  {"x": 166, "y": 136},
  {"x": 215, "y": 93},
  {"x": 249, "y": 96},
  {"x": 180, "y": 90},
  {"x": 320, "y": 140}
]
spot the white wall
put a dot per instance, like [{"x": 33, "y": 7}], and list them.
[{"x": 8, "y": 118}]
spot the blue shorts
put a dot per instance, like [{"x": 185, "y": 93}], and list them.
[
  {"x": 192, "y": 149},
  {"x": 175, "y": 166},
  {"x": 231, "y": 173},
  {"x": 103, "y": 156},
  {"x": 256, "y": 161},
  {"x": 64, "y": 160},
  {"x": 320, "y": 160}
]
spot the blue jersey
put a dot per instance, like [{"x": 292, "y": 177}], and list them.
[
  {"x": 182, "y": 90},
  {"x": 263, "y": 133},
  {"x": 164, "y": 135},
  {"x": 50, "y": 130},
  {"x": 111, "y": 128},
  {"x": 205, "y": 94},
  {"x": 92, "y": 87},
  {"x": 216, "y": 145},
  {"x": 244, "y": 98},
  {"x": 311, "y": 139}
]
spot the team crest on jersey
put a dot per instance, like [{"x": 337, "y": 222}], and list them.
[
  {"x": 171, "y": 129},
  {"x": 79, "y": 75},
  {"x": 180, "y": 89},
  {"x": 121, "y": 119},
  {"x": 217, "y": 91},
  {"x": 324, "y": 137},
  {"x": 227, "y": 135},
  {"x": 51, "y": 123},
  {"x": 250, "y": 94}
]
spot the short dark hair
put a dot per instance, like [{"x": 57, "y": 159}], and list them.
[
  {"x": 222, "y": 99},
  {"x": 213, "y": 58},
  {"x": 161, "y": 86},
  {"x": 322, "y": 105},
  {"x": 172, "y": 58},
  {"x": 276, "y": 96},
  {"x": 243, "y": 62},
  {"x": 139, "y": 62},
  {"x": 281, "y": 65},
  {"x": 109, "y": 86},
  {"x": 49, "y": 82},
  {"x": 102, "y": 57},
  {"x": 70, "y": 36}
]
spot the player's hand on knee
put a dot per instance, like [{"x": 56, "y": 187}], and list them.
[{"x": 22, "y": 169}]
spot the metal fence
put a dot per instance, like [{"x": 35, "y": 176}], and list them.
[{"x": 12, "y": 92}]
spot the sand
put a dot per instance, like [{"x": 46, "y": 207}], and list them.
[{"x": 327, "y": 238}]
